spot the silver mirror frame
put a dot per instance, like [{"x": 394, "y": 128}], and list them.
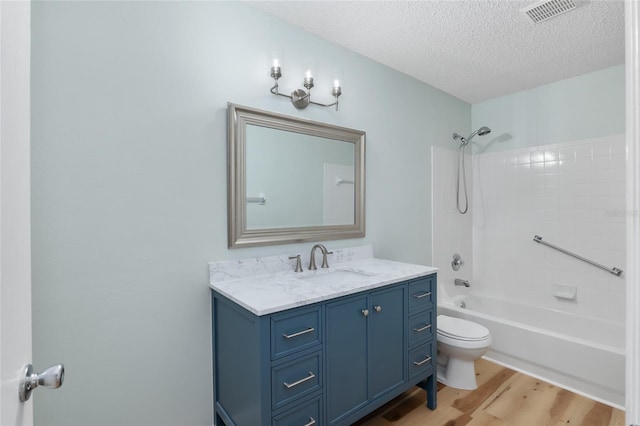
[{"x": 238, "y": 234}]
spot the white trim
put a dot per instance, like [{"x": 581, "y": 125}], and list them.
[
  {"x": 15, "y": 219},
  {"x": 632, "y": 71}
]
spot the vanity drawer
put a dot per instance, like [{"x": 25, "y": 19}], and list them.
[
  {"x": 296, "y": 379},
  {"x": 306, "y": 414},
  {"x": 291, "y": 332},
  {"x": 421, "y": 360},
  {"x": 421, "y": 294},
  {"x": 421, "y": 328}
]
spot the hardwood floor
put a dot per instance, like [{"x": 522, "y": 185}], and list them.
[{"x": 504, "y": 398}]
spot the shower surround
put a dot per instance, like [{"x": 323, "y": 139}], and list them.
[{"x": 573, "y": 195}]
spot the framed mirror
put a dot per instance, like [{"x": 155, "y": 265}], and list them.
[{"x": 292, "y": 180}]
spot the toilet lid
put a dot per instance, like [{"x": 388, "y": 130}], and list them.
[{"x": 460, "y": 329}]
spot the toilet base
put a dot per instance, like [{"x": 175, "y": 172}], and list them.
[
  {"x": 458, "y": 374},
  {"x": 458, "y": 348}
]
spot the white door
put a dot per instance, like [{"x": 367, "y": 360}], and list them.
[{"x": 15, "y": 247}]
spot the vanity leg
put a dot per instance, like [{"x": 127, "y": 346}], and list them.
[
  {"x": 432, "y": 392},
  {"x": 431, "y": 386}
]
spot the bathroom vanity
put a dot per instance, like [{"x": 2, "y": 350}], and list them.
[{"x": 319, "y": 347}]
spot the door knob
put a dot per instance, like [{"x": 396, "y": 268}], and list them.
[
  {"x": 52, "y": 377},
  {"x": 365, "y": 312},
  {"x": 378, "y": 308}
]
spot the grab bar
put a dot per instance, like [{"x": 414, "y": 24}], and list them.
[
  {"x": 259, "y": 200},
  {"x": 615, "y": 271},
  {"x": 340, "y": 180}
]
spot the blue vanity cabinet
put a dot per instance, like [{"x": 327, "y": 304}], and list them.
[
  {"x": 241, "y": 364},
  {"x": 267, "y": 370},
  {"x": 346, "y": 356},
  {"x": 422, "y": 331},
  {"x": 328, "y": 363},
  {"x": 365, "y": 351},
  {"x": 386, "y": 344}
]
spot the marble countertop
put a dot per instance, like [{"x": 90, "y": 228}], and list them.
[{"x": 265, "y": 290}]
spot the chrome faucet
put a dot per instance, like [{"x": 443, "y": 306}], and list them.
[{"x": 312, "y": 259}]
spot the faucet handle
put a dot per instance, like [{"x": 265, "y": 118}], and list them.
[
  {"x": 298, "y": 262},
  {"x": 457, "y": 262},
  {"x": 325, "y": 264}
]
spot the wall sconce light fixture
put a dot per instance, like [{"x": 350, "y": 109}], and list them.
[{"x": 300, "y": 98}]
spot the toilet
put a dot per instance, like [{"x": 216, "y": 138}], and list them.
[{"x": 460, "y": 343}]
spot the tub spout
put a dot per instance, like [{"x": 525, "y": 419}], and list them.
[{"x": 465, "y": 283}]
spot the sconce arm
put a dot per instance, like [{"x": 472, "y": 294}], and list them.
[
  {"x": 326, "y": 105},
  {"x": 275, "y": 91}
]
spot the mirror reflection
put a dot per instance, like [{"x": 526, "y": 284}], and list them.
[{"x": 298, "y": 180}]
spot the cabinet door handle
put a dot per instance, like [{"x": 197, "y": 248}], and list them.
[
  {"x": 312, "y": 421},
  {"x": 365, "y": 312},
  {"x": 420, "y": 296},
  {"x": 419, "y": 363},
  {"x": 309, "y": 377},
  {"x": 377, "y": 308},
  {"x": 299, "y": 333},
  {"x": 421, "y": 329}
]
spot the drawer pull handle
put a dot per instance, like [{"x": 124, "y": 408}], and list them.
[
  {"x": 312, "y": 421},
  {"x": 427, "y": 359},
  {"x": 299, "y": 333},
  {"x": 421, "y": 329},
  {"x": 420, "y": 296},
  {"x": 377, "y": 308},
  {"x": 309, "y": 377}
]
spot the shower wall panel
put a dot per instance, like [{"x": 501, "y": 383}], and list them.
[{"x": 573, "y": 195}]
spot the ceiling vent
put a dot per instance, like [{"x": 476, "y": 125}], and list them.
[{"x": 548, "y": 9}]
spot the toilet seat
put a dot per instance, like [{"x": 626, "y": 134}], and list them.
[{"x": 462, "y": 330}]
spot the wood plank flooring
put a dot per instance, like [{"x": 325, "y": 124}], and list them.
[{"x": 504, "y": 398}]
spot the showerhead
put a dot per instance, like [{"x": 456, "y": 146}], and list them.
[
  {"x": 481, "y": 131},
  {"x": 484, "y": 130}
]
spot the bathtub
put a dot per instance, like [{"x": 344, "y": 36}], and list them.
[{"x": 581, "y": 354}]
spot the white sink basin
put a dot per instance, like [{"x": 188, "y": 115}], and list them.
[{"x": 335, "y": 277}]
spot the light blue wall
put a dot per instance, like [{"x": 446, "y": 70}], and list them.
[
  {"x": 587, "y": 106},
  {"x": 129, "y": 187}
]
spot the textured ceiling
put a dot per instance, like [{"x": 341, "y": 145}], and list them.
[{"x": 474, "y": 50}]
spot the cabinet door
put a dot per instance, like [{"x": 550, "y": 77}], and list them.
[
  {"x": 386, "y": 341},
  {"x": 346, "y": 355}
]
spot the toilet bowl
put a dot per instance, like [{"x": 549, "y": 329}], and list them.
[{"x": 460, "y": 343}]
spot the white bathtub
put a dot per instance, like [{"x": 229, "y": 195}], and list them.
[{"x": 578, "y": 353}]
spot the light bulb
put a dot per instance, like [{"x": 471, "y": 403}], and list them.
[
  {"x": 336, "y": 83},
  {"x": 308, "y": 74},
  {"x": 275, "y": 63}
]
